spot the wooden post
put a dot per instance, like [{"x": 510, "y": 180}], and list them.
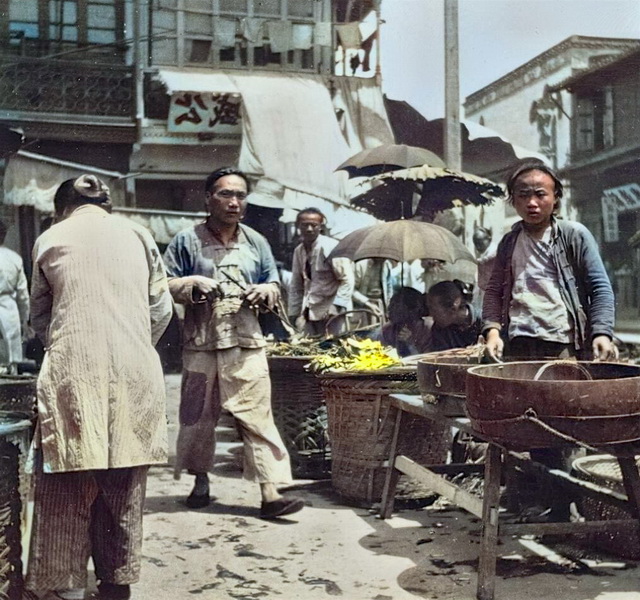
[
  {"x": 452, "y": 143},
  {"x": 490, "y": 507},
  {"x": 392, "y": 476}
]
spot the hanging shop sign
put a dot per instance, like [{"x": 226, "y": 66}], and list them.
[{"x": 212, "y": 112}]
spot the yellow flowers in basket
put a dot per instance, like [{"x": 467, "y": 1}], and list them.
[{"x": 355, "y": 354}]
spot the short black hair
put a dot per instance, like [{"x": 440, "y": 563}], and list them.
[
  {"x": 223, "y": 172},
  {"x": 3, "y": 231},
  {"x": 532, "y": 165},
  {"x": 410, "y": 298},
  {"x": 311, "y": 211},
  {"x": 446, "y": 293}
]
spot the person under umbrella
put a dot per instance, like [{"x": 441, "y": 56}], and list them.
[{"x": 456, "y": 323}]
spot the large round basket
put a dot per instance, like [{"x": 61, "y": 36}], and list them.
[
  {"x": 361, "y": 427},
  {"x": 14, "y": 438},
  {"x": 525, "y": 405},
  {"x": 300, "y": 415},
  {"x": 604, "y": 470}
]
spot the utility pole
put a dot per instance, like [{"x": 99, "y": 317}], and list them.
[{"x": 452, "y": 143}]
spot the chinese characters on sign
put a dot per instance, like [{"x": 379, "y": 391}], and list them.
[{"x": 204, "y": 112}]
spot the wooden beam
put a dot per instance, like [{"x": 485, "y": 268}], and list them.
[
  {"x": 581, "y": 527},
  {"x": 448, "y": 490}
]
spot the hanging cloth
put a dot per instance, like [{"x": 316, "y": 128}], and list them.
[
  {"x": 349, "y": 35},
  {"x": 252, "y": 30},
  {"x": 322, "y": 34},
  {"x": 224, "y": 32},
  {"x": 302, "y": 37},
  {"x": 280, "y": 35}
]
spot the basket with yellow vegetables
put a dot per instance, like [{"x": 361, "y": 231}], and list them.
[
  {"x": 357, "y": 377},
  {"x": 298, "y": 406}
]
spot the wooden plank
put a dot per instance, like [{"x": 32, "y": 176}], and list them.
[
  {"x": 490, "y": 513},
  {"x": 566, "y": 480},
  {"x": 580, "y": 527},
  {"x": 441, "y": 486}
]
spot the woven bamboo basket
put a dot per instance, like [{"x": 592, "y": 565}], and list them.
[
  {"x": 604, "y": 470},
  {"x": 18, "y": 393},
  {"x": 14, "y": 437},
  {"x": 361, "y": 428},
  {"x": 300, "y": 415}
]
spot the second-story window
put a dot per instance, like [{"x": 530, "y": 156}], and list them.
[
  {"x": 273, "y": 34},
  {"x": 595, "y": 121},
  {"x": 38, "y": 27}
]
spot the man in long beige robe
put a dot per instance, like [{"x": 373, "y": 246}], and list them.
[{"x": 99, "y": 303}]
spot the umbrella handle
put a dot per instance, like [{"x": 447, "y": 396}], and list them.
[{"x": 343, "y": 315}]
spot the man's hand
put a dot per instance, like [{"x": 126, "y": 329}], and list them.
[
  {"x": 604, "y": 348},
  {"x": 204, "y": 288},
  {"x": 259, "y": 293},
  {"x": 374, "y": 308},
  {"x": 494, "y": 344},
  {"x": 404, "y": 335}
]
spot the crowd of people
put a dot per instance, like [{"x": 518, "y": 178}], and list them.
[{"x": 102, "y": 295}]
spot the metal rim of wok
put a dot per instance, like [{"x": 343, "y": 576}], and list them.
[{"x": 486, "y": 371}]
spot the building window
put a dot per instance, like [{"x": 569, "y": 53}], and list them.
[
  {"x": 43, "y": 26},
  {"x": 236, "y": 33},
  {"x": 595, "y": 121}
]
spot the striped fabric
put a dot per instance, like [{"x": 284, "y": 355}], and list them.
[
  {"x": 99, "y": 299},
  {"x": 82, "y": 514}
]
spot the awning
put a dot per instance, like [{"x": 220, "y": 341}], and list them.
[
  {"x": 32, "y": 179},
  {"x": 195, "y": 80},
  {"x": 477, "y": 131},
  {"x": 163, "y": 224},
  {"x": 291, "y": 138},
  {"x": 290, "y": 133},
  {"x": 267, "y": 193},
  {"x": 615, "y": 201}
]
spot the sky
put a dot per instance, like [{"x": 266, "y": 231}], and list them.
[{"x": 495, "y": 37}]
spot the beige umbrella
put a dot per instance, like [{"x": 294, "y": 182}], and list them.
[{"x": 403, "y": 241}]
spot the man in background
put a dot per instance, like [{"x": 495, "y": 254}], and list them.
[
  {"x": 321, "y": 288},
  {"x": 14, "y": 302}
]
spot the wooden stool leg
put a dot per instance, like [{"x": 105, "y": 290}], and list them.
[
  {"x": 391, "y": 479},
  {"x": 490, "y": 506}
]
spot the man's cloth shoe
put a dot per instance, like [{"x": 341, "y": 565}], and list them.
[
  {"x": 198, "y": 500},
  {"x": 113, "y": 591},
  {"x": 280, "y": 507}
]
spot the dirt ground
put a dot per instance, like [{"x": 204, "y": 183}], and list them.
[{"x": 333, "y": 550}]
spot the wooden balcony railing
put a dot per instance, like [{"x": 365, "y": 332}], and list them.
[{"x": 31, "y": 85}]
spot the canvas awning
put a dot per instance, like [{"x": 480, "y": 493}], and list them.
[
  {"x": 32, "y": 179},
  {"x": 291, "y": 138},
  {"x": 195, "y": 80},
  {"x": 163, "y": 224}
]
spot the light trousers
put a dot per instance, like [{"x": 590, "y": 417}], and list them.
[{"x": 237, "y": 380}]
